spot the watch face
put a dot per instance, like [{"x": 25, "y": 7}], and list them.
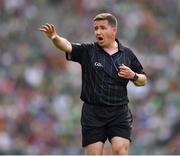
[{"x": 135, "y": 77}]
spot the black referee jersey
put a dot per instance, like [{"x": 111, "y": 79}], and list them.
[{"x": 101, "y": 84}]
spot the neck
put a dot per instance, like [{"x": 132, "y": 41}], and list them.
[{"x": 111, "y": 48}]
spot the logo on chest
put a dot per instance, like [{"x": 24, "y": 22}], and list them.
[{"x": 98, "y": 64}]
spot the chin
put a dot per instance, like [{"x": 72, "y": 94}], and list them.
[{"x": 101, "y": 44}]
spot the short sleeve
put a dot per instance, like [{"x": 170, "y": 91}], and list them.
[
  {"x": 136, "y": 65},
  {"x": 78, "y": 50}
]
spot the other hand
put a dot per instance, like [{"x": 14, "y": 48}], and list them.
[
  {"x": 49, "y": 30},
  {"x": 125, "y": 72}
]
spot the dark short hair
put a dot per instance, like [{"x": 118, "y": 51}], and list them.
[{"x": 107, "y": 16}]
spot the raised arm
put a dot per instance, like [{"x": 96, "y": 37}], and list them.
[{"x": 60, "y": 42}]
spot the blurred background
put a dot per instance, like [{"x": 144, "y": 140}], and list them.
[{"x": 39, "y": 90}]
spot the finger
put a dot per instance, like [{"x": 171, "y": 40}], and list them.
[
  {"x": 122, "y": 68},
  {"x": 53, "y": 28},
  {"x": 124, "y": 72},
  {"x": 45, "y": 27},
  {"x": 122, "y": 65},
  {"x": 42, "y": 29},
  {"x": 121, "y": 75},
  {"x": 49, "y": 26}
]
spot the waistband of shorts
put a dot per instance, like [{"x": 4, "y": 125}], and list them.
[{"x": 105, "y": 105}]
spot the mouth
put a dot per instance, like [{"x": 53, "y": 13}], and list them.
[{"x": 99, "y": 39}]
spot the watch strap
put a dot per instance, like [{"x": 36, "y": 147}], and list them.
[{"x": 135, "y": 77}]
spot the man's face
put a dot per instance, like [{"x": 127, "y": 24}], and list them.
[{"x": 104, "y": 32}]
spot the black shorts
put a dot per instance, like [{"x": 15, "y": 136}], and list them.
[{"x": 100, "y": 123}]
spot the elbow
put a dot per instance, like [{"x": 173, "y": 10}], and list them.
[
  {"x": 144, "y": 82},
  {"x": 141, "y": 83}
]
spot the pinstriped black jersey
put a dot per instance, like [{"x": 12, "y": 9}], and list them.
[{"x": 101, "y": 84}]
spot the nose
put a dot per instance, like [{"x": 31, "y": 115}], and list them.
[{"x": 97, "y": 32}]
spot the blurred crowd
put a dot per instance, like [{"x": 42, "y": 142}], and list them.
[{"x": 39, "y": 90}]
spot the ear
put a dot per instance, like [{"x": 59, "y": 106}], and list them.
[{"x": 115, "y": 30}]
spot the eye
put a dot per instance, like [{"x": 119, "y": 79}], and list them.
[
  {"x": 103, "y": 27},
  {"x": 96, "y": 28}
]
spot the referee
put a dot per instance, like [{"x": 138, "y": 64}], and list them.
[{"x": 107, "y": 66}]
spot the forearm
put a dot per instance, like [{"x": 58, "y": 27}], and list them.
[
  {"x": 61, "y": 43},
  {"x": 141, "y": 81}
]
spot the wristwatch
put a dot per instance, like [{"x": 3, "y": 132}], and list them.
[{"x": 135, "y": 77}]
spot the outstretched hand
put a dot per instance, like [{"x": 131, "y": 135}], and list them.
[
  {"x": 125, "y": 72},
  {"x": 49, "y": 30}
]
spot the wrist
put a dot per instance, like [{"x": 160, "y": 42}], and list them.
[
  {"x": 53, "y": 37},
  {"x": 135, "y": 77}
]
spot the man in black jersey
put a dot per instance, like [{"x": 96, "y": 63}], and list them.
[{"x": 107, "y": 66}]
